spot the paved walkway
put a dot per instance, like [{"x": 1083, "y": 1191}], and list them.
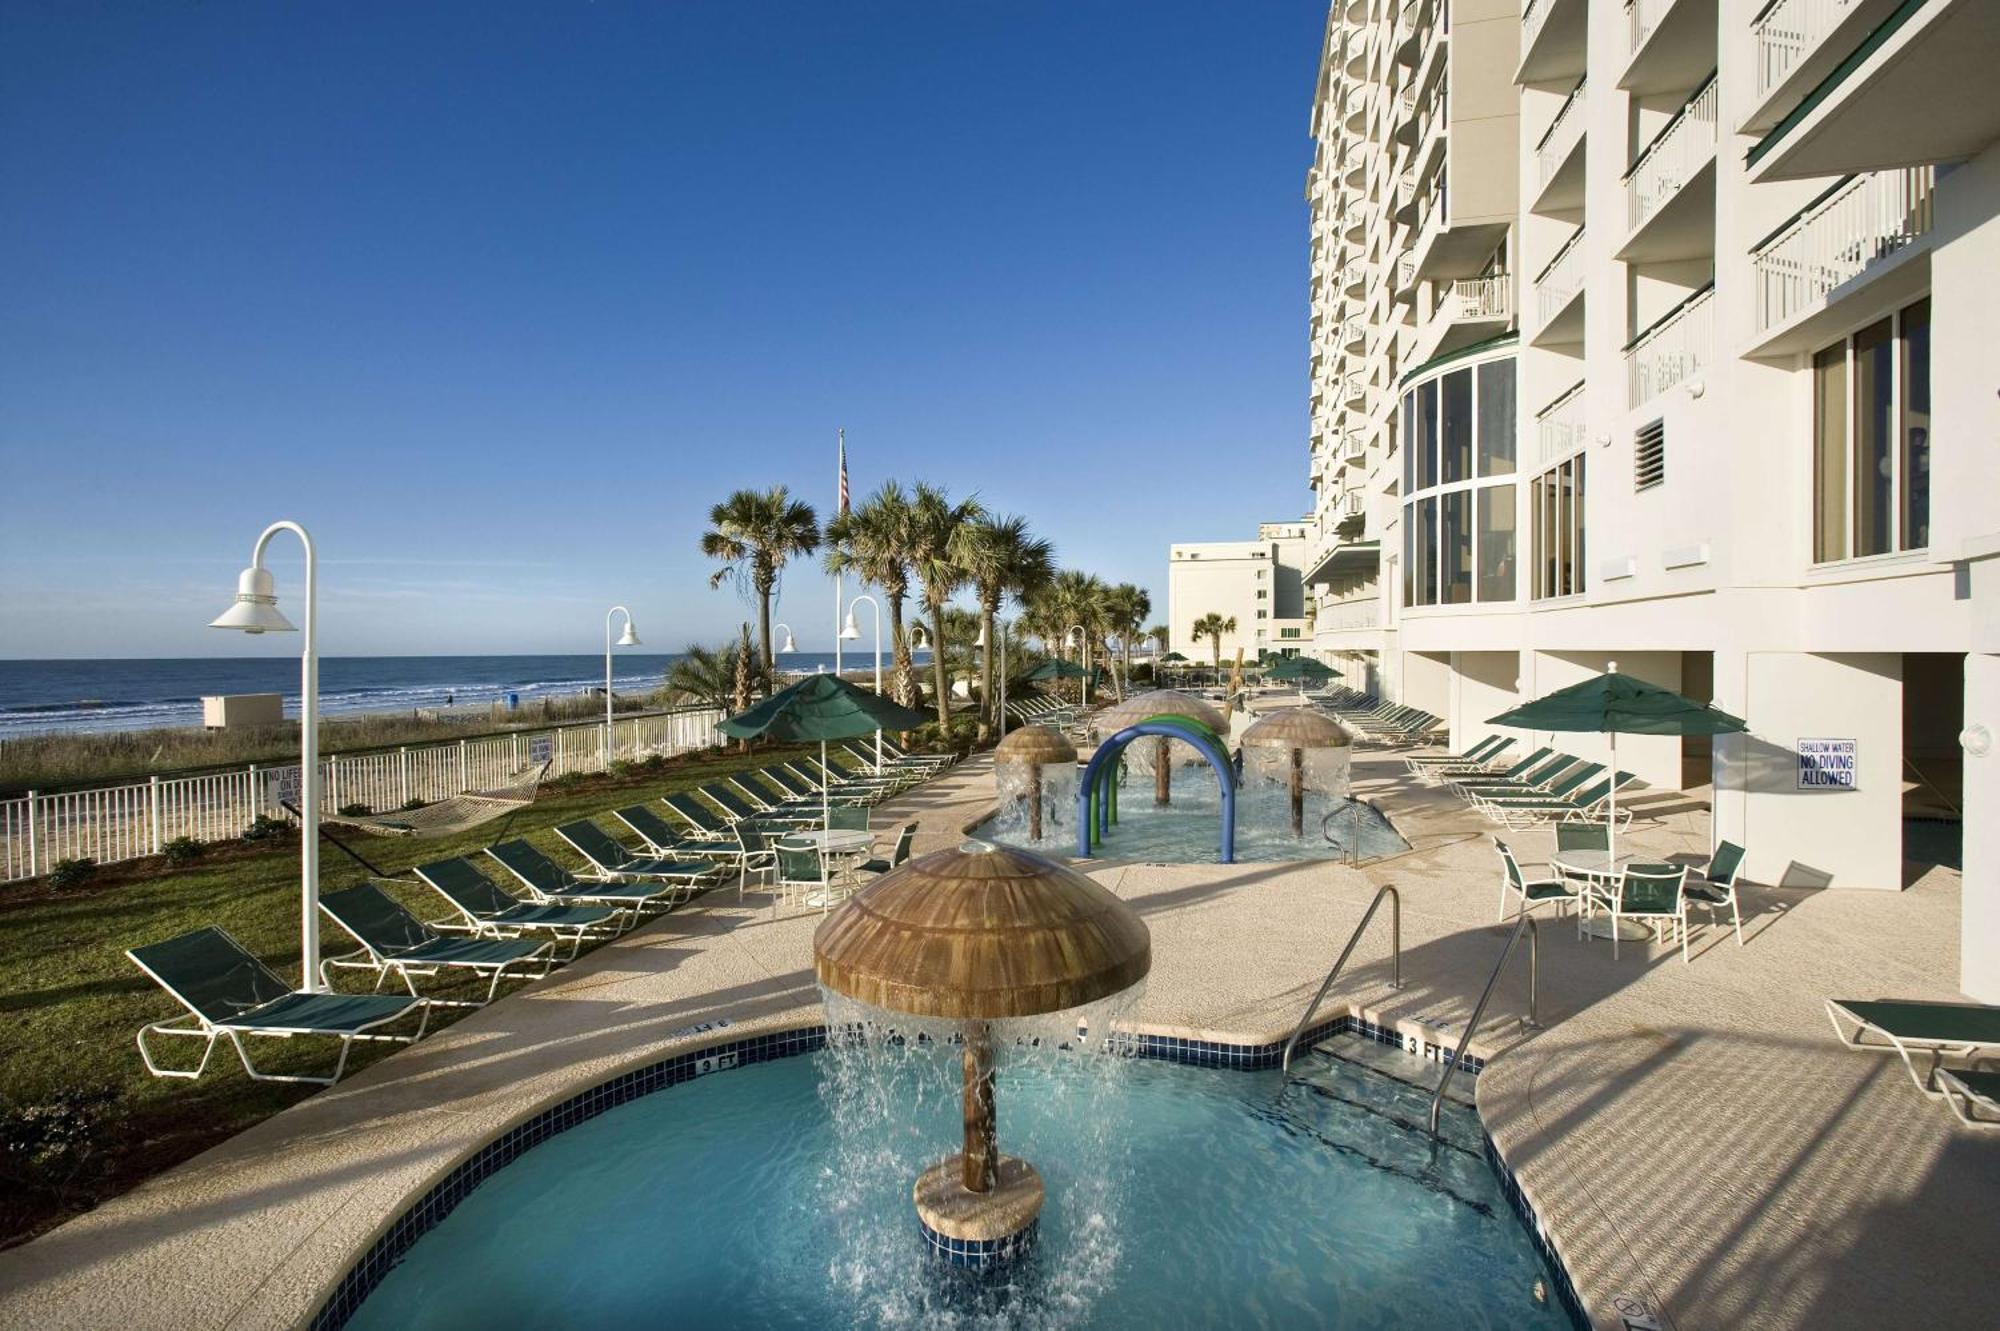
[{"x": 1692, "y": 1134}]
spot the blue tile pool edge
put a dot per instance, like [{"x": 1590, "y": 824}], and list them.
[{"x": 445, "y": 1195}]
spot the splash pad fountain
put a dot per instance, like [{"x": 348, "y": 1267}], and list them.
[
  {"x": 1034, "y": 769},
  {"x": 983, "y": 937}
]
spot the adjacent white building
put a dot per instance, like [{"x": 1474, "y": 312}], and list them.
[
  {"x": 1259, "y": 584},
  {"x": 1661, "y": 332}
]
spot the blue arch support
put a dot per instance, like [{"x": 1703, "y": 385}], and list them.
[{"x": 1093, "y": 792}]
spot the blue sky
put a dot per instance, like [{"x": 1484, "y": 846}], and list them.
[{"x": 498, "y": 298}]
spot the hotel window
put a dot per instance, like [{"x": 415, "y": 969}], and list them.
[
  {"x": 1556, "y": 501},
  {"x": 1872, "y": 439},
  {"x": 1458, "y": 438}
]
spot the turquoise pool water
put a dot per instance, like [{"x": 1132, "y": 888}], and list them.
[
  {"x": 1178, "y": 1197},
  {"x": 1189, "y": 830}
]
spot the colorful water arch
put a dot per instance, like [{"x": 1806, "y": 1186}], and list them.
[{"x": 1097, "y": 792}]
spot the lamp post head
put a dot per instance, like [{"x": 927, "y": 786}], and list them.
[
  {"x": 980, "y": 641},
  {"x": 628, "y": 638},
  {"x": 786, "y": 645},
  {"x": 850, "y": 630},
  {"x": 256, "y": 606}
]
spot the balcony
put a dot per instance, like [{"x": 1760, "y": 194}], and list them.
[
  {"x": 1559, "y": 426},
  {"x": 1851, "y": 231},
  {"x": 1404, "y": 290},
  {"x": 1670, "y": 190},
  {"x": 1354, "y": 391},
  {"x": 1673, "y": 351},
  {"x": 1354, "y": 277},
  {"x": 1796, "y": 44},
  {"x": 1413, "y": 29},
  {"x": 1671, "y": 44},
  {"x": 1559, "y": 160},
  {"x": 1353, "y": 335},
  {"x": 1354, "y": 447},
  {"x": 1353, "y": 504},
  {"x": 1880, "y": 105},
  {"x": 1559, "y": 297},
  {"x": 1345, "y": 616},
  {"x": 1553, "y": 34}
]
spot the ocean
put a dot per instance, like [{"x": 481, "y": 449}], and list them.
[{"x": 39, "y": 697}]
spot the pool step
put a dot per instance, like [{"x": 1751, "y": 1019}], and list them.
[{"x": 1389, "y": 1061}]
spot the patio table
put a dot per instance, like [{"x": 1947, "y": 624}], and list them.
[
  {"x": 1599, "y": 870},
  {"x": 841, "y": 843}
]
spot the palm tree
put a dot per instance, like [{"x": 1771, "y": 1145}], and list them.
[
  {"x": 873, "y": 541},
  {"x": 1161, "y": 637},
  {"x": 1076, "y": 599},
  {"x": 1128, "y": 606},
  {"x": 754, "y": 533},
  {"x": 1212, "y": 626},
  {"x": 1000, "y": 559},
  {"x": 703, "y": 675},
  {"x": 935, "y": 522}
]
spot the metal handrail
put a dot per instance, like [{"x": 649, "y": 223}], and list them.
[
  {"x": 1396, "y": 940},
  {"x": 1526, "y": 922}
]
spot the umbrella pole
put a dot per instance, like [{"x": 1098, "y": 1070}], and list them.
[
  {"x": 1611, "y": 831},
  {"x": 825, "y": 790}
]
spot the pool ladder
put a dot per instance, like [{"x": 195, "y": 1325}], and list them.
[
  {"x": 1396, "y": 951},
  {"x": 1525, "y": 924}
]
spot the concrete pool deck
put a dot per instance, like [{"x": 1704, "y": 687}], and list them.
[{"x": 1691, "y": 1135}]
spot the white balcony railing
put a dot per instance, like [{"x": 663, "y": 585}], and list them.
[
  {"x": 1480, "y": 298},
  {"x": 1862, "y": 219},
  {"x": 1340, "y": 616},
  {"x": 1641, "y": 17},
  {"x": 1562, "y": 134},
  {"x": 1787, "y": 32},
  {"x": 1559, "y": 282},
  {"x": 1353, "y": 504},
  {"x": 1672, "y": 351},
  {"x": 1532, "y": 15},
  {"x": 1354, "y": 446},
  {"x": 1671, "y": 159},
  {"x": 1559, "y": 426}
]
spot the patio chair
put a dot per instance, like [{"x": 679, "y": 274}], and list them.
[
  {"x": 878, "y": 867},
  {"x": 1583, "y": 836},
  {"x": 1648, "y": 892},
  {"x": 755, "y": 853},
  {"x": 1716, "y": 886},
  {"x": 491, "y": 911},
  {"x": 702, "y": 821},
  {"x": 1909, "y": 1026},
  {"x": 847, "y": 818},
  {"x": 549, "y": 882},
  {"x": 1533, "y": 892},
  {"x": 801, "y": 872},
  {"x": 229, "y": 994},
  {"x": 1973, "y": 1096},
  {"x": 395, "y": 942}
]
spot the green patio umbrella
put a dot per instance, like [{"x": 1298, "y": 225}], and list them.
[
  {"x": 1299, "y": 667},
  {"x": 1056, "y": 668},
  {"x": 1615, "y": 705},
  {"x": 821, "y": 707}
]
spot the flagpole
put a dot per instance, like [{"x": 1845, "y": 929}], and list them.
[{"x": 839, "y": 578}]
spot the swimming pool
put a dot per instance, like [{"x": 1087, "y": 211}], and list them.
[
  {"x": 1186, "y": 831},
  {"x": 1185, "y": 1198}
]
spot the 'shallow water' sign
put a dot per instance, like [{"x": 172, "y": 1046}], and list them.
[{"x": 1826, "y": 764}]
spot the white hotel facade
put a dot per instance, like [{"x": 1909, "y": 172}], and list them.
[{"x": 1668, "y": 332}]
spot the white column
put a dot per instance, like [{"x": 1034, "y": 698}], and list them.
[{"x": 1979, "y": 904}]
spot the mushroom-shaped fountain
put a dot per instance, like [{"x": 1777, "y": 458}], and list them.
[
  {"x": 1026, "y": 752},
  {"x": 979, "y": 934},
  {"x": 1160, "y": 702},
  {"x": 1296, "y": 729}
]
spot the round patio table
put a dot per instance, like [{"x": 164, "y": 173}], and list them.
[
  {"x": 840, "y": 843},
  {"x": 1597, "y": 867}
]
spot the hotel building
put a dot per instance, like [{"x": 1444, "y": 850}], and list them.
[
  {"x": 1663, "y": 332},
  {"x": 1260, "y": 584}
]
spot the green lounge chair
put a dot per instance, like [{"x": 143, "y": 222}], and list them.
[
  {"x": 230, "y": 994},
  {"x": 1536, "y": 810},
  {"x": 1974, "y": 1096},
  {"x": 1493, "y": 804},
  {"x": 766, "y": 804},
  {"x": 614, "y": 864},
  {"x": 1515, "y": 775},
  {"x": 1909, "y": 1026},
  {"x": 489, "y": 910},
  {"x": 551, "y": 884},
  {"x": 395, "y": 942},
  {"x": 663, "y": 840},
  {"x": 1527, "y": 783},
  {"x": 738, "y": 808},
  {"x": 700, "y": 818},
  {"x": 872, "y": 786}
]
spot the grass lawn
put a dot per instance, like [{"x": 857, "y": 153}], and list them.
[{"x": 71, "y": 1001}]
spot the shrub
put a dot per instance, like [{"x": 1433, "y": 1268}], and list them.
[
  {"x": 653, "y": 762},
  {"x": 565, "y": 781},
  {"x": 621, "y": 768},
  {"x": 183, "y": 850},
  {"x": 72, "y": 873},
  {"x": 54, "y": 1144},
  {"x": 355, "y": 811},
  {"x": 414, "y": 804},
  {"x": 265, "y": 828}
]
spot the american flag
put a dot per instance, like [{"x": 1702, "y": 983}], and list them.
[{"x": 843, "y": 473}]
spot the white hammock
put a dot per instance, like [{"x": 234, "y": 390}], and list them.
[{"x": 454, "y": 813}]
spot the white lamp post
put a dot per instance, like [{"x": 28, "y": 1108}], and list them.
[
  {"x": 629, "y": 638},
  {"x": 849, "y": 632},
  {"x": 1001, "y": 625},
  {"x": 1077, "y": 631},
  {"x": 256, "y": 611}
]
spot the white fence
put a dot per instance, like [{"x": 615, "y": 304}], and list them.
[
  {"x": 1685, "y": 146},
  {"x": 1673, "y": 351},
  {"x": 1558, "y": 283},
  {"x": 124, "y": 822},
  {"x": 1865, "y": 218}
]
